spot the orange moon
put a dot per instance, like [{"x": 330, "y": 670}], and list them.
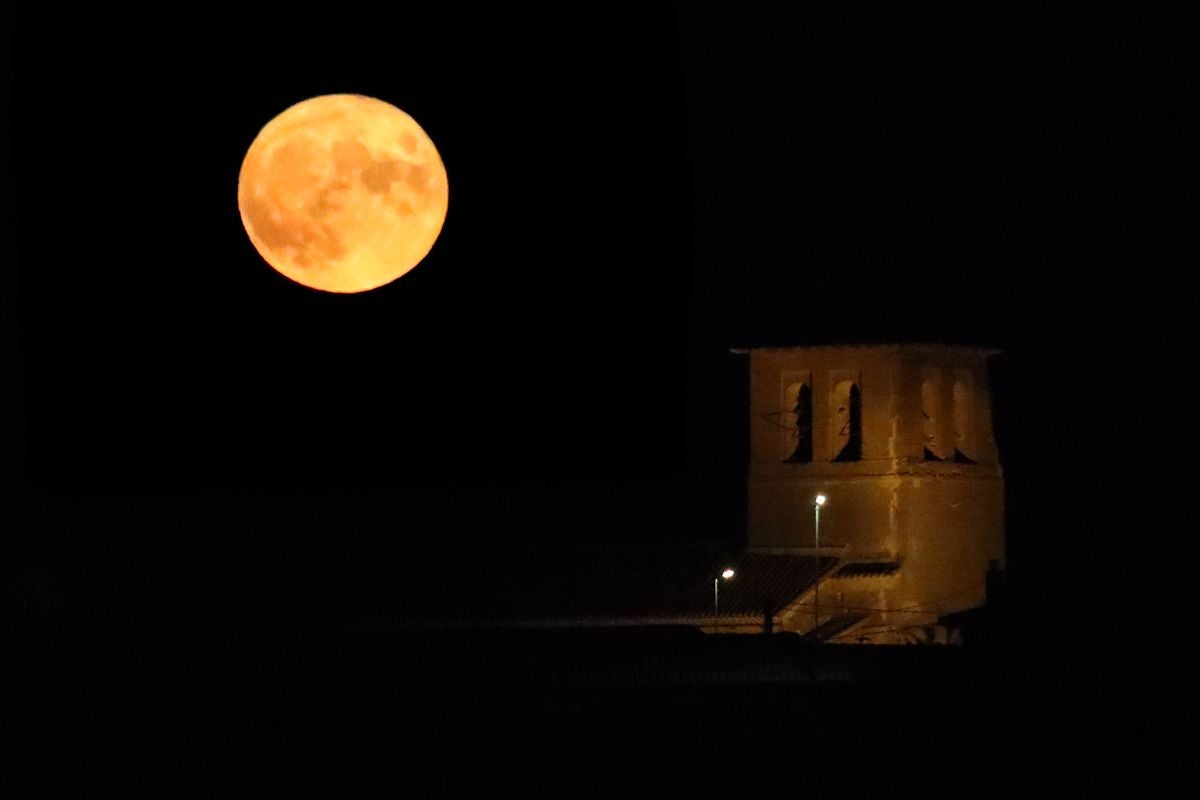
[{"x": 343, "y": 193}]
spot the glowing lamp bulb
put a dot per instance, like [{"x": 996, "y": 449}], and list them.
[
  {"x": 727, "y": 574},
  {"x": 820, "y": 499}
]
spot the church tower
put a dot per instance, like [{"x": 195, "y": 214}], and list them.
[{"x": 898, "y": 440}]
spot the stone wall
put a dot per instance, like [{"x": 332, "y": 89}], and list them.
[{"x": 922, "y": 485}]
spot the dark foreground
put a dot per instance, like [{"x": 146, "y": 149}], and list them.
[{"x": 517, "y": 713}]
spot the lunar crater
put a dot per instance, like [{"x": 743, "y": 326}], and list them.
[{"x": 379, "y": 176}]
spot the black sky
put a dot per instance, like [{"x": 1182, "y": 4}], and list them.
[
  {"x": 188, "y": 440},
  {"x": 633, "y": 191}
]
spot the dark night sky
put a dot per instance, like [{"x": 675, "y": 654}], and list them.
[
  {"x": 632, "y": 192},
  {"x": 191, "y": 442}
]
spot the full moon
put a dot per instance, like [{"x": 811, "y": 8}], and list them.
[{"x": 343, "y": 193}]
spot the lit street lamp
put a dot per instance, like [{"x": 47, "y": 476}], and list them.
[
  {"x": 727, "y": 574},
  {"x": 820, "y": 501}
]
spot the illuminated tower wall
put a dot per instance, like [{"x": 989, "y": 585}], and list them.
[{"x": 899, "y": 438}]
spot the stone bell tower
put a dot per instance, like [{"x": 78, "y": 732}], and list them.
[{"x": 898, "y": 438}]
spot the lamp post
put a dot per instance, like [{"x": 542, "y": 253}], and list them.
[
  {"x": 820, "y": 501},
  {"x": 726, "y": 574}
]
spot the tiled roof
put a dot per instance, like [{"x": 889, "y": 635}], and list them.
[{"x": 594, "y": 585}]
